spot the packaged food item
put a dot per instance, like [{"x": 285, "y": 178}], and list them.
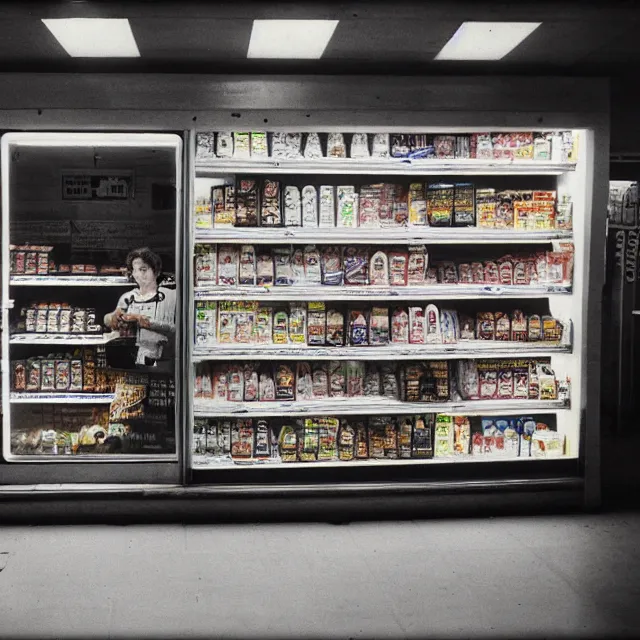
[
  {"x": 504, "y": 209},
  {"x": 53, "y": 318},
  {"x": 505, "y": 383},
  {"x": 331, "y": 263},
  {"x": 224, "y": 144},
  {"x": 547, "y": 444},
  {"x": 433, "y": 332},
  {"x": 235, "y": 383},
  {"x": 417, "y": 265},
  {"x": 304, "y": 382},
  {"x": 449, "y": 327},
  {"x": 399, "y": 145},
  {"x": 297, "y": 267},
  {"x": 205, "y": 146},
  {"x": 564, "y": 213},
  {"x": 278, "y": 144},
  {"x": 309, "y": 206},
  {"x": 327, "y": 438},
  {"x": 486, "y": 207},
  {"x": 505, "y": 272},
  {"x": 292, "y": 207},
  {"x": 443, "y": 436},
  {"x": 327, "y": 206},
  {"x": 259, "y": 147},
  {"x": 361, "y": 445},
  {"x": 503, "y": 326},
  {"x": 372, "y": 380},
  {"x": 524, "y": 214},
  {"x": 312, "y": 147},
  {"x": 288, "y": 444},
  {"x": 488, "y": 380},
  {"x": 359, "y": 145},
  {"x": 358, "y": 328},
  {"x": 75, "y": 375},
  {"x": 461, "y": 435},
  {"x": 485, "y": 326},
  {"x": 280, "y": 327},
  {"x": 380, "y": 145},
  {"x": 245, "y": 322},
  {"x": 48, "y": 375},
  {"x": 412, "y": 374},
  {"x": 552, "y": 329},
  {"x": 346, "y": 442},
  {"x": 247, "y": 265},
  {"x": 265, "y": 273},
  {"x": 241, "y": 144},
  {"x": 398, "y": 268},
  {"x": 19, "y": 375},
  {"x": 518, "y": 326},
  {"x": 369, "y": 205},
  {"x": 401, "y": 206},
  {"x": 465, "y": 276},
  {"x": 262, "y": 440},
  {"x": 376, "y": 438},
  {"x": 206, "y": 264},
  {"x": 312, "y": 266},
  {"x": 467, "y": 328},
  {"x": 206, "y": 322},
  {"x": 491, "y": 273},
  {"x": 464, "y": 209},
  {"x": 389, "y": 381},
  {"x": 293, "y": 145},
  {"x": 285, "y": 382},
  {"x": 400, "y": 326},
  {"x": 440, "y": 200},
  {"x": 202, "y": 213},
  {"x": 282, "y": 267},
  {"x": 78, "y": 321},
  {"x": 416, "y": 325},
  {"x": 468, "y": 379},
  {"x": 379, "y": 326},
  {"x": 263, "y": 327},
  {"x": 316, "y": 324},
  {"x": 320, "y": 380},
  {"x": 417, "y": 205},
  {"x": 42, "y": 318},
  {"x": 421, "y": 437},
  {"x": 521, "y": 383},
  {"x": 379, "y": 269},
  {"x": 246, "y": 203},
  {"x": 270, "y": 209},
  {"x": 335, "y": 328},
  {"x": 477, "y": 272},
  {"x": 356, "y": 266},
  {"x": 267, "y": 385},
  {"x": 534, "y": 383},
  {"x": 520, "y": 273},
  {"x": 421, "y": 146},
  {"x": 447, "y": 273},
  {"x": 347, "y": 214},
  {"x": 337, "y": 379},
  {"x": 548, "y": 384},
  {"x": 228, "y": 265},
  {"x": 355, "y": 378},
  {"x": 481, "y": 146},
  {"x": 336, "y": 148},
  {"x": 390, "y": 438},
  {"x": 541, "y": 146},
  {"x": 445, "y": 147},
  {"x": 242, "y": 438},
  {"x": 535, "y": 328},
  {"x": 251, "y": 382},
  {"x": 297, "y": 323}
]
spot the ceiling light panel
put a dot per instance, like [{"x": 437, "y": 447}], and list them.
[
  {"x": 290, "y": 39},
  {"x": 486, "y": 40},
  {"x": 94, "y": 37}
]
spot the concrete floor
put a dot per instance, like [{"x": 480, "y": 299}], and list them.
[{"x": 544, "y": 576}]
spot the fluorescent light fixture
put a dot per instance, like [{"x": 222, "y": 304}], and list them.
[
  {"x": 94, "y": 37},
  {"x": 290, "y": 39},
  {"x": 485, "y": 40}
]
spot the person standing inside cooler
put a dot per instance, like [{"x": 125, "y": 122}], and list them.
[{"x": 150, "y": 309}]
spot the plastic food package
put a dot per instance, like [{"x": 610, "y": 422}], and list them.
[
  {"x": 327, "y": 206},
  {"x": 316, "y": 323},
  {"x": 417, "y": 205},
  {"x": 312, "y": 147},
  {"x": 228, "y": 265},
  {"x": 264, "y": 270},
  {"x": 358, "y": 328},
  {"x": 312, "y": 266},
  {"x": 271, "y": 211},
  {"x": 292, "y": 207},
  {"x": 332, "y": 272},
  {"x": 347, "y": 214},
  {"x": 359, "y": 145},
  {"x": 241, "y": 145},
  {"x": 224, "y": 144},
  {"x": 379, "y": 269},
  {"x": 336, "y": 148},
  {"x": 379, "y": 326},
  {"x": 309, "y": 206},
  {"x": 356, "y": 266},
  {"x": 259, "y": 146}
]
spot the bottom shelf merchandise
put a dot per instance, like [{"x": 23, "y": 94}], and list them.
[{"x": 330, "y": 439}]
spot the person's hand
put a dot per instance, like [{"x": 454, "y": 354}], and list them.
[
  {"x": 140, "y": 320},
  {"x": 116, "y": 318}
]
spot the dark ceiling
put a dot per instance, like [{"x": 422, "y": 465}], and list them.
[{"x": 399, "y": 37}]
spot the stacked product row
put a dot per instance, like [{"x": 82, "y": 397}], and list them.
[
  {"x": 233, "y": 265},
  {"x": 327, "y": 439},
  {"x": 312, "y": 324},
  {"x": 556, "y": 146},
  {"x": 270, "y": 203},
  {"x": 430, "y": 381},
  {"x": 58, "y": 318}
]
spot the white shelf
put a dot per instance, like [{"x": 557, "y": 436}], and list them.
[
  {"x": 370, "y": 405},
  {"x": 70, "y": 281},
  {"x": 60, "y": 398},
  {"x": 384, "y": 166},
  {"x": 361, "y": 235},
  {"x": 63, "y": 339},
  {"x": 469, "y": 349},
  {"x": 432, "y": 292}
]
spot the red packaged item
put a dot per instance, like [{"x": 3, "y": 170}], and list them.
[
  {"x": 488, "y": 381},
  {"x": 503, "y": 326},
  {"x": 506, "y": 271},
  {"x": 398, "y": 268},
  {"x": 491, "y": 273},
  {"x": 447, "y": 273},
  {"x": 519, "y": 327},
  {"x": 477, "y": 272},
  {"x": 520, "y": 273},
  {"x": 521, "y": 383},
  {"x": 485, "y": 326},
  {"x": 505, "y": 384},
  {"x": 504, "y": 210},
  {"x": 465, "y": 275}
]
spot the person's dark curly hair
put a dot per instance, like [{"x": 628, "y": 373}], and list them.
[{"x": 147, "y": 256}]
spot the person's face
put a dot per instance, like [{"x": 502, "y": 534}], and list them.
[{"x": 142, "y": 273}]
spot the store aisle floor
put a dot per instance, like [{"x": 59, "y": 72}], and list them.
[{"x": 544, "y": 576}]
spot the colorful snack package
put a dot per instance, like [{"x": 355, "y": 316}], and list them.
[
  {"x": 477, "y": 272},
  {"x": 235, "y": 384},
  {"x": 405, "y": 431},
  {"x": 503, "y": 326},
  {"x": 241, "y": 144},
  {"x": 488, "y": 379},
  {"x": 389, "y": 381},
  {"x": 245, "y": 324},
  {"x": 548, "y": 383},
  {"x": 505, "y": 383},
  {"x": 242, "y": 437},
  {"x": 262, "y": 441},
  {"x": 467, "y": 328},
  {"x": 359, "y": 145},
  {"x": 247, "y": 203},
  {"x": 358, "y": 328},
  {"x": 312, "y": 266},
  {"x": 486, "y": 208},
  {"x": 369, "y": 205},
  {"x": 327, "y": 206},
  {"x": 400, "y": 327},
  {"x": 398, "y": 268},
  {"x": 279, "y": 144},
  {"x": 304, "y": 382},
  {"x": 524, "y": 214},
  {"x": 327, "y": 438},
  {"x": 48, "y": 376},
  {"x": 519, "y": 327},
  {"x": 504, "y": 210},
  {"x": 401, "y": 206},
  {"x": 520, "y": 274},
  {"x": 346, "y": 442},
  {"x": 75, "y": 381},
  {"x": 42, "y": 319},
  {"x": 376, "y": 438},
  {"x": 206, "y": 323},
  {"x": 422, "y": 437},
  {"x": 461, "y": 435},
  {"x": 521, "y": 383},
  {"x": 390, "y": 438},
  {"x": 468, "y": 379},
  {"x": 78, "y": 321},
  {"x": 464, "y": 208},
  {"x": 293, "y": 143},
  {"x": 309, "y": 206},
  {"x": 547, "y": 444},
  {"x": 485, "y": 326},
  {"x": 433, "y": 332},
  {"x": 264, "y": 269},
  {"x": 399, "y": 145},
  {"x": 263, "y": 328},
  {"x": 280, "y": 327},
  {"x": 331, "y": 263},
  {"x": 205, "y": 265},
  {"x": 380, "y": 145},
  {"x": 443, "y": 436},
  {"x": 270, "y": 206},
  {"x": 19, "y": 375},
  {"x": 335, "y": 328},
  {"x": 247, "y": 266},
  {"x": 53, "y": 319},
  {"x": 445, "y": 147},
  {"x": 347, "y": 215},
  {"x": 449, "y": 327},
  {"x": 417, "y": 205},
  {"x": 282, "y": 266},
  {"x": 440, "y": 199},
  {"x": 541, "y": 146},
  {"x": 337, "y": 379},
  {"x": 228, "y": 265},
  {"x": 292, "y": 207},
  {"x": 320, "y": 380},
  {"x": 379, "y": 326},
  {"x": 412, "y": 375},
  {"x": 355, "y": 378},
  {"x": 372, "y": 380},
  {"x": 297, "y": 323},
  {"x": 465, "y": 276},
  {"x": 481, "y": 146},
  {"x": 534, "y": 382},
  {"x": 285, "y": 382},
  {"x": 525, "y": 427},
  {"x": 416, "y": 325},
  {"x": 361, "y": 441},
  {"x": 535, "y": 328},
  {"x": 288, "y": 444},
  {"x": 297, "y": 267},
  {"x": 552, "y": 329},
  {"x": 379, "y": 269},
  {"x": 564, "y": 213},
  {"x": 417, "y": 265},
  {"x": 202, "y": 216},
  {"x": 259, "y": 146},
  {"x": 505, "y": 271},
  {"x": 491, "y": 273},
  {"x": 356, "y": 266},
  {"x": 312, "y": 147},
  {"x": 336, "y": 148},
  {"x": 316, "y": 324},
  {"x": 251, "y": 383}
]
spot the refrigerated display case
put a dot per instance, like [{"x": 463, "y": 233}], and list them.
[
  {"x": 386, "y": 300},
  {"x": 91, "y": 272}
]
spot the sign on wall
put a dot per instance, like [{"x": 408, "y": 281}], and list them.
[{"x": 97, "y": 186}]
